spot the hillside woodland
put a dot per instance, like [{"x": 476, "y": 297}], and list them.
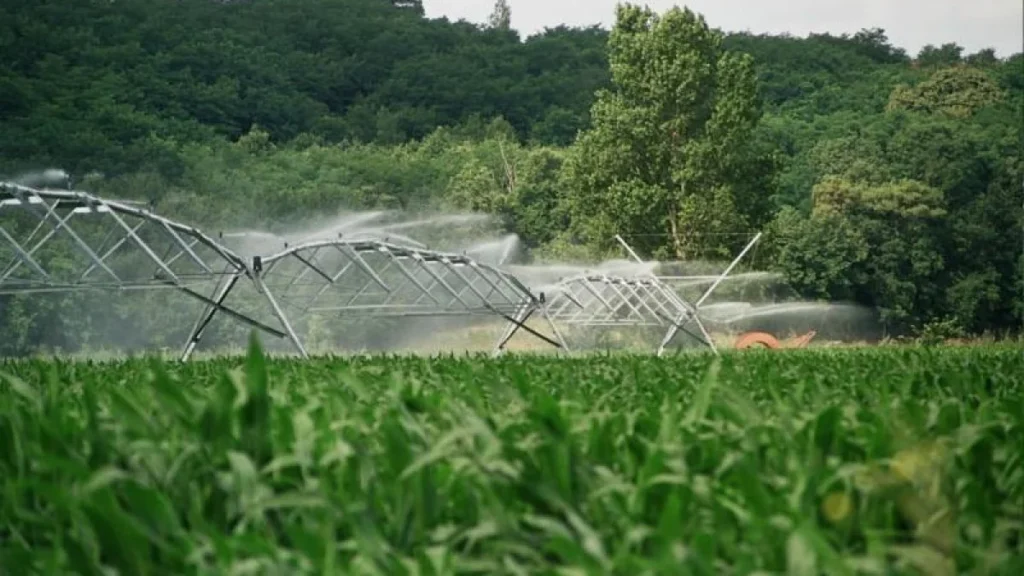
[{"x": 879, "y": 177}]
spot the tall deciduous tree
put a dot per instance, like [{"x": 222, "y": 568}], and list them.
[
  {"x": 501, "y": 16},
  {"x": 670, "y": 149}
]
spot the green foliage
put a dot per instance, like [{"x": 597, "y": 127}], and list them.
[
  {"x": 936, "y": 56},
  {"x": 875, "y": 461},
  {"x": 929, "y": 193},
  {"x": 501, "y": 16},
  {"x": 84, "y": 86},
  {"x": 265, "y": 113},
  {"x": 938, "y": 332},
  {"x": 958, "y": 91},
  {"x": 822, "y": 74},
  {"x": 903, "y": 200},
  {"x": 667, "y": 143},
  {"x": 824, "y": 257}
]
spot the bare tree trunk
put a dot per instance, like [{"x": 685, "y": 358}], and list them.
[
  {"x": 510, "y": 171},
  {"x": 677, "y": 240}
]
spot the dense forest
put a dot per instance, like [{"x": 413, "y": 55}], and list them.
[{"x": 889, "y": 179}]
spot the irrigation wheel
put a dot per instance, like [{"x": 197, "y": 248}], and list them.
[
  {"x": 758, "y": 339},
  {"x": 766, "y": 340}
]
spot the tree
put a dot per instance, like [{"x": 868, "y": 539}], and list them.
[
  {"x": 824, "y": 257},
  {"x": 874, "y": 244},
  {"x": 501, "y": 16},
  {"x": 874, "y": 43},
  {"x": 945, "y": 55},
  {"x": 983, "y": 58},
  {"x": 670, "y": 144},
  {"x": 957, "y": 91}
]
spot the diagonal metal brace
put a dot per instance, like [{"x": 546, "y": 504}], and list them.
[{"x": 224, "y": 309}]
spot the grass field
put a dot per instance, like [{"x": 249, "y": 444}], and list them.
[{"x": 871, "y": 461}]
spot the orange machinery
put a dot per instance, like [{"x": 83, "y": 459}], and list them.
[{"x": 766, "y": 340}]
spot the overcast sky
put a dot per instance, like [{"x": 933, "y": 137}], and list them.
[{"x": 910, "y": 24}]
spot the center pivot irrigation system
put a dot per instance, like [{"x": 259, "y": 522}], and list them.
[
  {"x": 376, "y": 278},
  {"x": 66, "y": 241},
  {"x": 645, "y": 299}
]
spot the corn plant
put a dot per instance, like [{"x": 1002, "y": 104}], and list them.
[{"x": 874, "y": 461}]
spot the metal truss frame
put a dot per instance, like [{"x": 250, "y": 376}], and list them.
[
  {"x": 122, "y": 245},
  {"x": 56, "y": 241},
  {"x": 594, "y": 300},
  {"x": 379, "y": 279}
]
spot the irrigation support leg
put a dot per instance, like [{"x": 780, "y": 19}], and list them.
[
  {"x": 518, "y": 322},
  {"x": 629, "y": 249},
  {"x": 281, "y": 316},
  {"x": 728, "y": 270},
  {"x": 679, "y": 326},
  {"x": 554, "y": 328},
  {"x": 219, "y": 307},
  {"x": 514, "y": 325},
  {"x": 694, "y": 314},
  {"x": 206, "y": 316},
  {"x": 667, "y": 339},
  {"x": 707, "y": 335}
]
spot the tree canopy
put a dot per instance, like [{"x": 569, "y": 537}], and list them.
[{"x": 670, "y": 145}]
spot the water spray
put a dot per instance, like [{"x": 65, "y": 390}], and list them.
[
  {"x": 358, "y": 266},
  {"x": 643, "y": 299}
]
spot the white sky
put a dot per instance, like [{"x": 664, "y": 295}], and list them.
[{"x": 910, "y": 24}]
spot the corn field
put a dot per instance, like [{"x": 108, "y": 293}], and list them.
[{"x": 873, "y": 461}]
